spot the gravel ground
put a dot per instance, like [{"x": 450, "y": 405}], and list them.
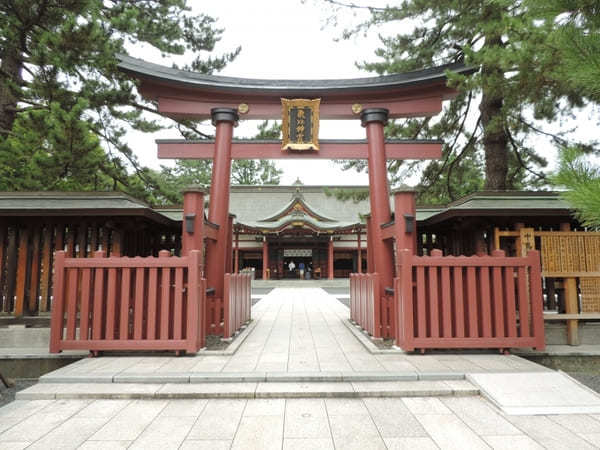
[
  {"x": 8, "y": 395},
  {"x": 591, "y": 380}
]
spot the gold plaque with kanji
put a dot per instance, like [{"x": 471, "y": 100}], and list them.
[{"x": 300, "y": 124}]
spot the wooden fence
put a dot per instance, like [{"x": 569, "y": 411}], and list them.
[
  {"x": 365, "y": 301},
  {"x": 372, "y": 310},
  {"x": 121, "y": 303},
  {"x": 469, "y": 302},
  {"x": 27, "y": 255},
  {"x": 238, "y": 302}
]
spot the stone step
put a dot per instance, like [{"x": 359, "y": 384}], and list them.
[
  {"x": 66, "y": 376},
  {"x": 248, "y": 390}
]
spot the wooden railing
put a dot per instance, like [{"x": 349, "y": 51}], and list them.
[
  {"x": 469, "y": 302},
  {"x": 365, "y": 302},
  {"x": 238, "y": 302},
  {"x": 121, "y": 303}
]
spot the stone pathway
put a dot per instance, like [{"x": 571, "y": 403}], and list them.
[
  {"x": 300, "y": 330},
  {"x": 300, "y": 347},
  {"x": 372, "y": 423}
]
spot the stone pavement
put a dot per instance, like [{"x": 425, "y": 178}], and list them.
[
  {"x": 299, "y": 331},
  {"x": 371, "y": 423},
  {"x": 301, "y": 379}
]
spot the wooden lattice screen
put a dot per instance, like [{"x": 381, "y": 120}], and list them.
[{"x": 574, "y": 253}]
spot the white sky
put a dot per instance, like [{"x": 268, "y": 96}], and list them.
[{"x": 289, "y": 39}]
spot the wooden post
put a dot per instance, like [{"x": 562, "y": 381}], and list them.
[
  {"x": 571, "y": 301},
  {"x": 496, "y": 238},
  {"x": 3, "y": 233},
  {"x": 11, "y": 269},
  {"x": 265, "y": 266},
  {"x": 195, "y": 306},
  {"x": 35, "y": 272},
  {"x": 224, "y": 119},
  {"x": 46, "y": 268},
  {"x": 374, "y": 120},
  {"x": 21, "y": 271},
  {"x": 518, "y": 227},
  {"x": 404, "y": 333},
  {"x": 56, "y": 320},
  {"x": 527, "y": 241},
  {"x": 116, "y": 243},
  {"x": 330, "y": 273},
  {"x": 359, "y": 253},
  {"x": 192, "y": 233},
  {"x": 404, "y": 213},
  {"x": 370, "y": 262},
  {"x": 236, "y": 257},
  {"x": 229, "y": 259}
]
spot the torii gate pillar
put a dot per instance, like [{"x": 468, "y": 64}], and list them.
[
  {"x": 224, "y": 119},
  {"x": 374, "y": 119}
]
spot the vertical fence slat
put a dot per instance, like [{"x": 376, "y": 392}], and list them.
[
  {"x": 178, "y": 304},
  {"x": 152, "y": 299},
  {"x": 472, "y": 302},
  {"x": 72, "y": 279},
  {"x": 421, "y": 302},
  {"x": 498, "y": 299},
  {"x": 111, "y": 303},
  {"x": 459, "y": 302},
  {"x": 98, "y": 304},
  {"x": 138, "y": 308},
  {"x": 446, "y": 305},
  {"x": 523, "y": 302},
  {"x": 509, "y": 290},
  {"x": 84, "y": 319},
  {"x": 227, "y": 306},
  {"x": 434, "y": 314},
  {"x": 124, "y": 303},
  {"x": 485, "y": 300}
]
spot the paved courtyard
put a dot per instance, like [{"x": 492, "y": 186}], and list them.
[{"x": 350, "y": 397}]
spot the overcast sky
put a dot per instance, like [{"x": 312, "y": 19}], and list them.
[{"x": 281, "y": 39}]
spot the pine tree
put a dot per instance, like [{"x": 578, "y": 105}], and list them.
[
  {"x": 487, "y": 126},
  {"x": 576, "y": 38},
  {"x": 189, "y": 171},
  {"x": 58, "y": 73}
]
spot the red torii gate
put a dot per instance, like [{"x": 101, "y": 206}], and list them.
[
  {"x": 181, "y": 94},
  {"x": 163, "y": 303}
]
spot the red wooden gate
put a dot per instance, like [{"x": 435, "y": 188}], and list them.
[
  {"x": 477, "y": 302},
  {"x": 121, "y": 303}
]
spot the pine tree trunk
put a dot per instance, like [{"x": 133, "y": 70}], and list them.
[
  {"x": 495, "y": 139},
  {"x": 10, "y": 76}
]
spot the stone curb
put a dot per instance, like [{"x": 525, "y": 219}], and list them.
[
  {"x": 265, "y": 377},
  {"x": 247, "y": 391},
  {"x": 235, "y": 343},
  {"x": 366, "y": 341}
]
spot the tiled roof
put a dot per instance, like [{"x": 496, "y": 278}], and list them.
[{"x": 217, "y": 82}]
